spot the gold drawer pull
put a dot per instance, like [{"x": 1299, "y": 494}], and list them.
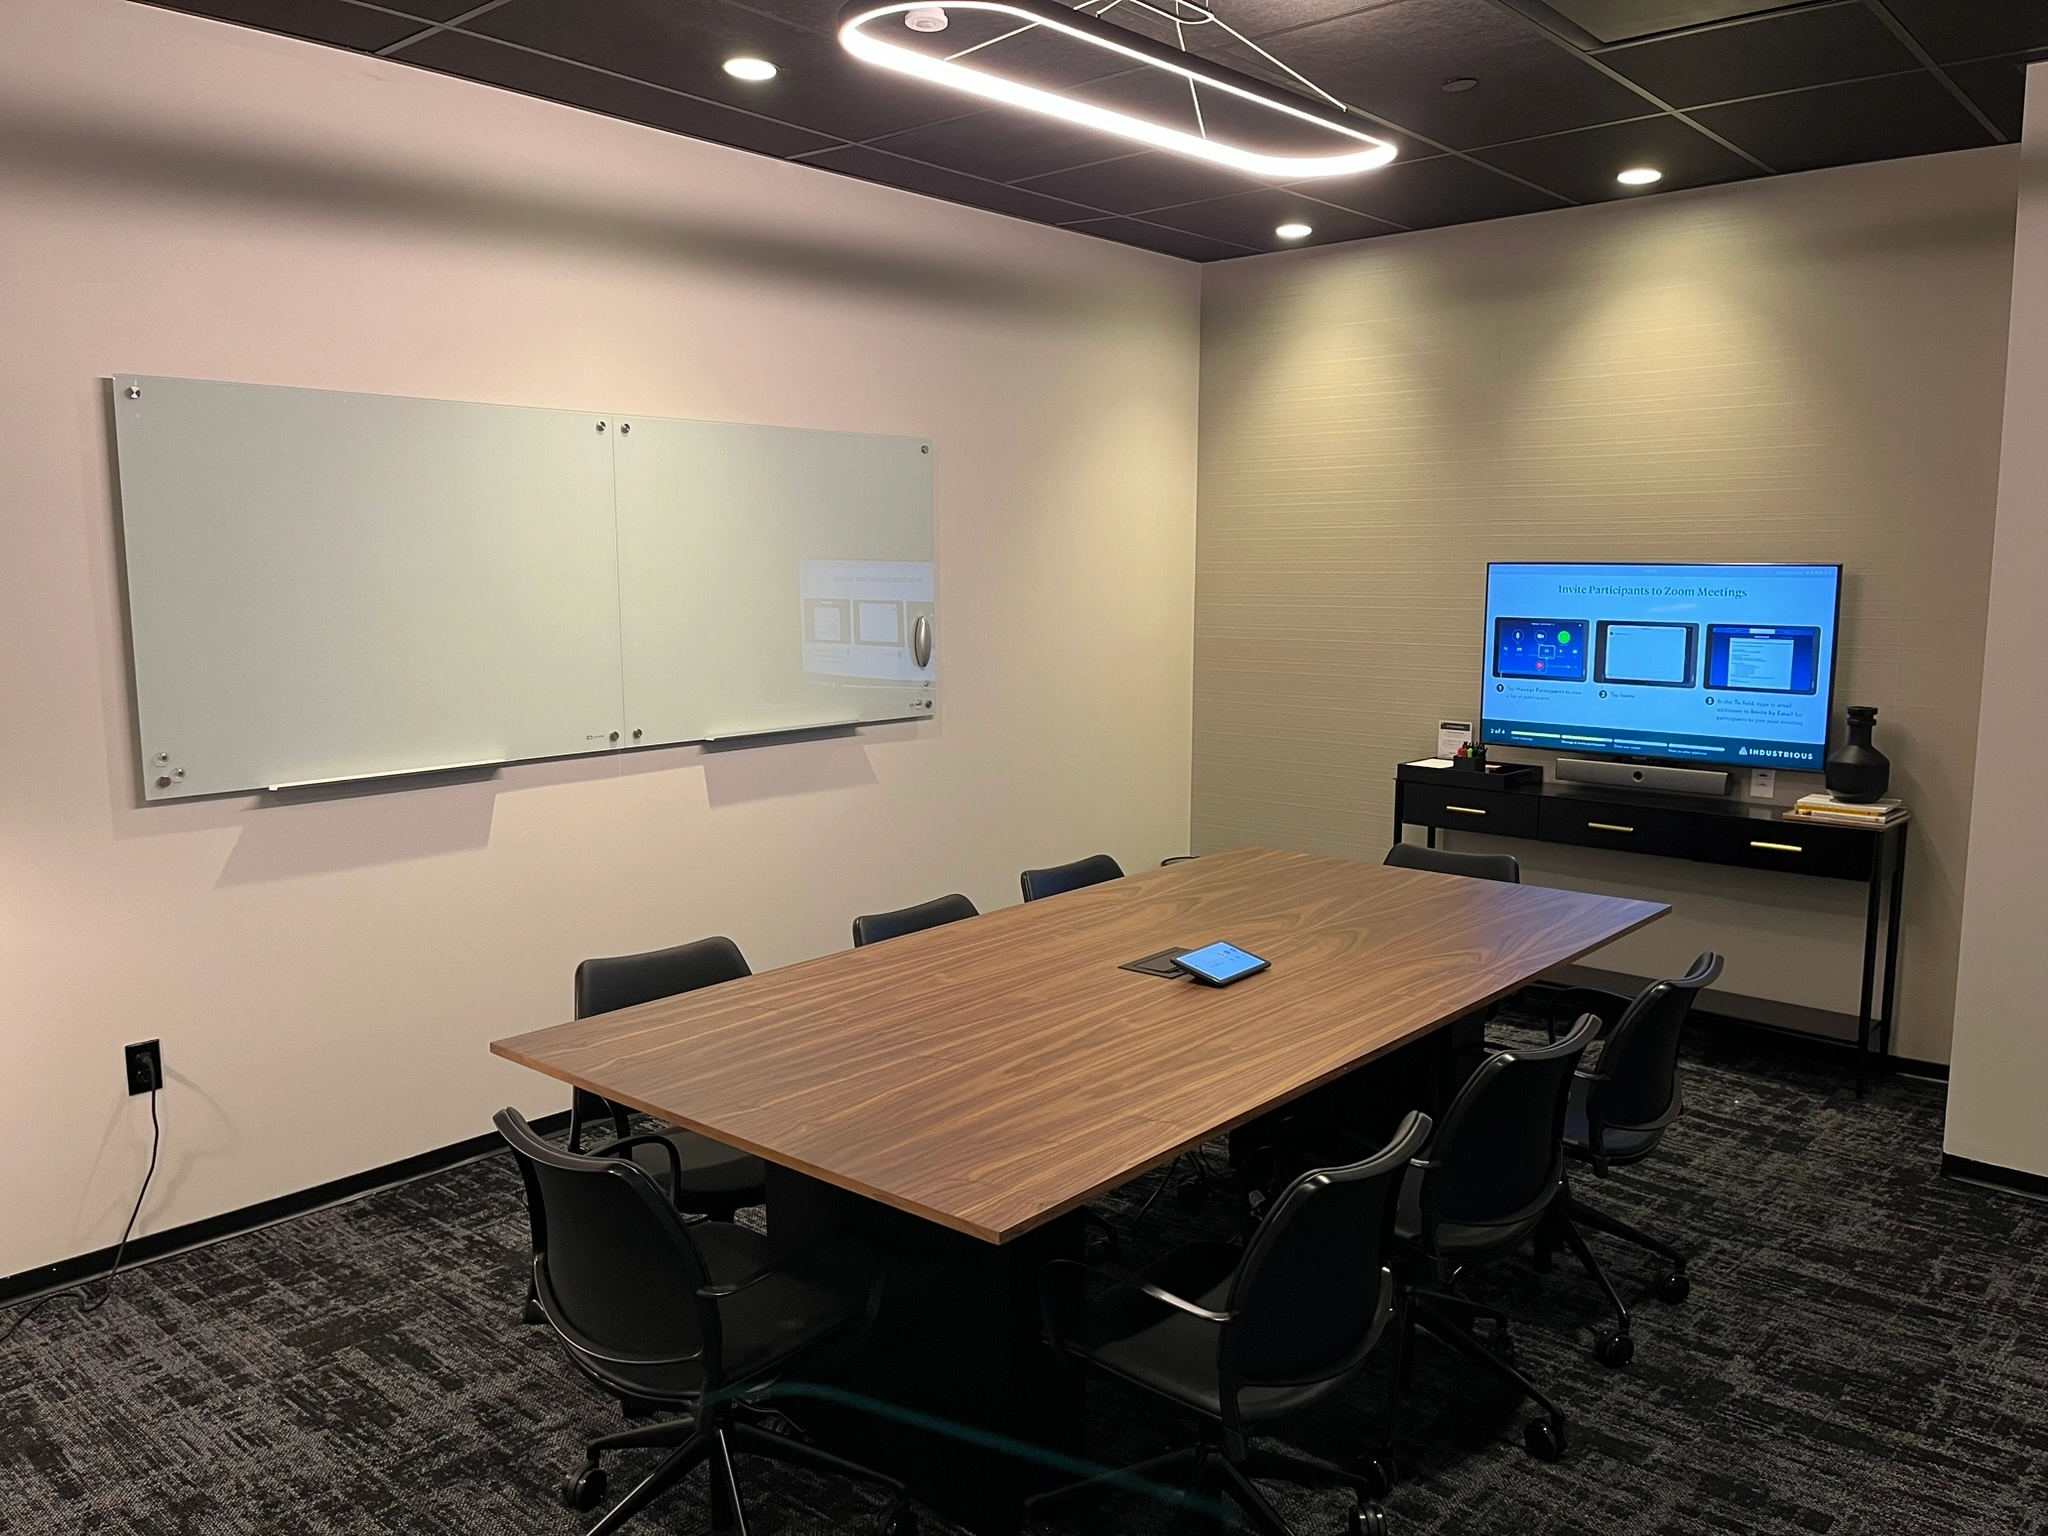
[
  {"x": 1777, "y": 847},
  {"x": 1465, "y": 810},
  {"x": 1607, "y": 826}
]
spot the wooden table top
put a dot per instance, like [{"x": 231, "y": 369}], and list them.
[{"x": 993, "y": 1074}]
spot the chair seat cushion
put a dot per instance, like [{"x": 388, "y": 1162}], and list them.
[
  {"x": 763, "y": 1326},
  {"x": 1169, "y": 1352},
  {"x": 1622, "y": 1144},
  {"x": 709, "y": 1168},
  {"x": 1457, "y": 1240}
]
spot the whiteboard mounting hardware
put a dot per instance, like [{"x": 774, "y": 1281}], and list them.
[
  {"x": 921, "y": 640},
  {"x": 1342, "y": 149}
]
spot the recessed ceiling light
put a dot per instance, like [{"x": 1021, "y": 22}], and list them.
[
  {"x": 1342, "y": 150},
  {"x": 1294, "y": 231},
  {"x": 1639, "y": 176},
  {"x": 750, "y": 69},
  {"x": 1461, "y": 83}
]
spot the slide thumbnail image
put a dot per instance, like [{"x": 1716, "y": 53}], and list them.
[
  {"x": 1756, "y": 658},
  {"x": 1553, "y": 649},
  {"x": 1649, "y": 654}
]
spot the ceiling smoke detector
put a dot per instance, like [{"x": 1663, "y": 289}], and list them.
[{"x": 930, "y": 18}]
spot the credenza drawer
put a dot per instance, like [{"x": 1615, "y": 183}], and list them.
[
  {"x": 1633, "y": 828},
  {"x": 1803, "y": 848},
  {"x": 1499, "y": 811}
]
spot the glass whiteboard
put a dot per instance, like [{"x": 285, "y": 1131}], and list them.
[{"x": 326, "y": 586}]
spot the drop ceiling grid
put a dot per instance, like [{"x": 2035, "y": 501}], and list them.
[{"x": 1563, "y": 114}]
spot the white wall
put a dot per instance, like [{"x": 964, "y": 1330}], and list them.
[
  {"x": 1806, "y": 367},
  {"x": 2000, "y": 1068},
  {"x": 182, "y": 197}
]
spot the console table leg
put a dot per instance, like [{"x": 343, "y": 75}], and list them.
[
  {"x": 1894, "y": 921},
  {"x": 1869, "y": 966}
]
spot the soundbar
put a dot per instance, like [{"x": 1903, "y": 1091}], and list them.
[{"x": 1670, "y": 781}]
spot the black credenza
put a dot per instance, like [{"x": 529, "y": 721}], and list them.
[{"x": 1705, "y": 831}]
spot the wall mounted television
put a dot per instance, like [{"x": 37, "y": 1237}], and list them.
[{"x": 1720, "y": 664}]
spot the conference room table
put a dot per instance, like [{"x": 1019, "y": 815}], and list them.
[{"x": 958, "y": 1095}]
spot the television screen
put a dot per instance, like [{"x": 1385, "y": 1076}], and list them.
[{"x": 1689, "y": 663}]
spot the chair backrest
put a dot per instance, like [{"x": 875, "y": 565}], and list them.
[
  {"x": 1635, "y": 1085},
  {"x": 1498, "y": 1157},
  {"x": 612, "y": 982},
  {"x": 1093, "y": 870},
  {"x": 613, "y": 1265},
  {"x": 1310, "y": 1296},
  {"x": 874, "y": 927},
  {"x": 1441, "y": 861}
]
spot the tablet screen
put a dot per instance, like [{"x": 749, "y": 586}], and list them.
[{"x": 1220, "y": 962}]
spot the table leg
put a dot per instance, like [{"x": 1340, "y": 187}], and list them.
[
  {"x": 1894, "y": 921},
  {"x": 957, "y": 1343},
  {"x": 1869, "y": 961}
]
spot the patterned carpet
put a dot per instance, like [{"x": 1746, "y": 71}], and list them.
[{"x": 1863, "y": 1351}]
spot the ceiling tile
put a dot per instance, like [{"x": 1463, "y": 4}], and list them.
[
  {"x": 1004, "y": 146},
  {"x": 1157, "y": 237},
  {"x": 475, "y": 58},
  {"x": 1841, "y": 124},
  {"x": 1583, "y": 165},
  {"x": 683, "y": 44},
  {"x": 1427, "y": 194},
  {"x": 1393, "y": 62},
  {"x": 1249, "y": 219},
  {"x": 1614, "y": 21},
  {"x": 1974, "y": 29},
  {"x": 935, "y": 181},
  {"x": 1263, "y": 18},
  {"x": 1999, "y": 87},
  {"x": 319, "y": 21},
  {"x": 1773, "y": 53},
  {"x": 1148, "y": 179}
]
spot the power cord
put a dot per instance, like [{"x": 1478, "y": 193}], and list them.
[{"x": 86, "y": 1303}]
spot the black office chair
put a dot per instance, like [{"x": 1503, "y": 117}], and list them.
[
  {"x": 688, "y": 1316},
  {"x": 1241, "y": 1336},
  {"x": 1466, "y": 1036},
  {"x": 707, "y": 1177},
  {"x": 1061, "y": 878},
  {"x": 1621, "y": 1105},
  {"x": 1488, "y": 1181},
  {"x": 874, "y": 927},
  {"x": 1441, "y": 861}
]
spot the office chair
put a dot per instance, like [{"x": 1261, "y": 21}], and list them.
[
  {"x": 1061, "y": 878},
  {"x": 1240, "y": 1336},
  {"x": 1441, "y": 861},
  {"x": 877, "y": 926},
  {"x": 1621, "y": 1106},
  {"x": 715, "y": 1180},
  {"x": 688, "y": 1316},
  {"x": 1490, "y": 1178}
]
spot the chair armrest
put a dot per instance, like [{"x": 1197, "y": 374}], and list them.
[
  {"x": 1137, "y": 1282},
  {"x": 782, "y": 1265},
  {"x": 624, "y": 1146}
]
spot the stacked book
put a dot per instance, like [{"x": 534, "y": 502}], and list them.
[{"x": 1847, "y": 813}]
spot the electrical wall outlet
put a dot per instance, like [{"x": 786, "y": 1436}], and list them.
[
  {"x": 1763, "y": 783},
  {"x": 145, "y": 1066}
]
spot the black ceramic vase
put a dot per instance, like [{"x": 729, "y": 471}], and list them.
[{"x": 1856, "y": 770}]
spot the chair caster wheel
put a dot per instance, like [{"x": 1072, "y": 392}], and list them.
[
  {"x": 1673, "y": 1287},
  {"x": 583, "y": 1488},
  {"x": 1545, "y": 1438},
  {"x": 900, "y": 1521},
  {"x": 1502, "y": 1343},
  {"x": 1615, "y": 1349},
  {"x": 1366, "y": 1520},
  {"x": 1379, "y": 1482}
]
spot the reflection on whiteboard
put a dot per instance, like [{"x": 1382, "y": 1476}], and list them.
[{"x": 858, "y": 616}]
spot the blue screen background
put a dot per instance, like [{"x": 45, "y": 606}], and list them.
[{"x": 1760, "y": 695}]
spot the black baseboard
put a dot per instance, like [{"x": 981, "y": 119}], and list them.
[
  {"x": 1813, "y": 1047},
  {"x": 1995, "y": 1177},
  {"x": 197, "y": 1234}
]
